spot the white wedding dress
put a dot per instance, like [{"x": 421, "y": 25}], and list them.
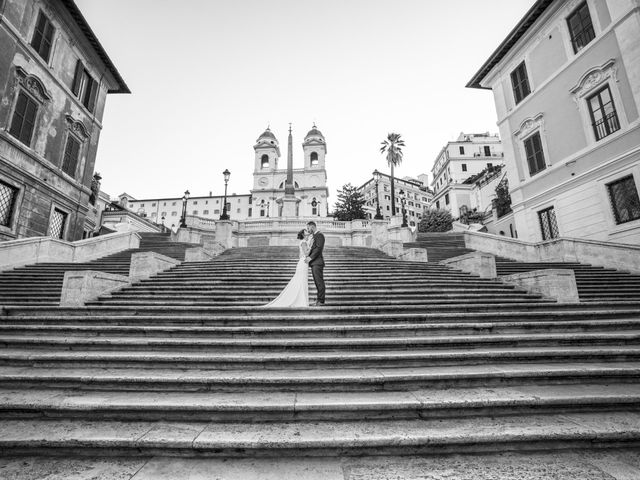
[{"x": 296, "y": 293}]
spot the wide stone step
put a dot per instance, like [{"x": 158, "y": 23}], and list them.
[
  {"x": 247, "y": 439},
  {"x": 152, "y": 329},
  {"x": 308, "y": 318},
  {"x": 337, "y": 344},
  {"x": 365, "y": 312},
  {"x": 174, "y": 378},
  {"x": 263, "y": 407},
  {"x": 265, "y": 292},
  {"x": 335, "y": 302},
  {"x": 316, "y": 359}
]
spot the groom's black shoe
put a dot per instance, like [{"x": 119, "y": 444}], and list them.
[{"x": 318, "y": 304}]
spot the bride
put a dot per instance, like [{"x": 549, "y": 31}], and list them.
[{"x": 296, "y": 293}]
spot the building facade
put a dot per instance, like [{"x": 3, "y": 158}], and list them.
[
  {"x": 54, "y": 80},
  {"x": 566, "y": 84},
  {"x": 469, "y": 155},
  {"x": 265, "y": 198},
  {"x": 167, "y": 211},
  {"x": 309, "y": 182},
  {"x": 412, "y": 191}
]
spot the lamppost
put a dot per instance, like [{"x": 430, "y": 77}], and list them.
[
  {"x": 183, "y": 220},
  {"x": 225, "y": 215},
  {"x": 403, "y": 200},
  {"x": 376, "y": 177}
]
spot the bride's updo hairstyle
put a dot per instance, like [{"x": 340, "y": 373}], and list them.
[{"x": 301, "y": 234}]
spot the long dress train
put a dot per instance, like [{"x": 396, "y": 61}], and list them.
[{"x": 296, "y": 293}]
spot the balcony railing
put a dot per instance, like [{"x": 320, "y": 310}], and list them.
[{"x": 606, "y": 125}]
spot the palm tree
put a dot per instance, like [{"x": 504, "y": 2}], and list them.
[{"x": 393, "y": 147}]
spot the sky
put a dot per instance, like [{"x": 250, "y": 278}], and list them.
[{"x": 208, "y": 76}]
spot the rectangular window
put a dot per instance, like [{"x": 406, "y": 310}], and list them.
[
  {"x": 604, "y": 117},
  {"x": 84, "y": 87},
  {"x": 195, "y": 202},
  {"x": 58, "y": 222},
  {"x": 153, "y": 204},
  {"x": 464, "y": 167},
  {"x": 262, "y": 212},
  {"x": 195, "y": 212},
  {"x": 43, "y": 37},
  {"x": 174, "y": 214},
  {"x": 238, "y": 210},
  {"x": 205, "y": 212},
  {"x": 24, "y": 118},
  {"x": 216, "y": 212},
  {"x": 173, "y": 204},
  {"x": 623, "y": 195},
  {"x": 71, "y": 155},
  {"x": 535, "y": 155},
  {"x": 250, "y": 211},
  {"x": 438, "y": 204},
  {"x": 520, "y": 83},
  {"x": 489, "y": 165},
  {"x": 461, "y": 150},
  {"x": 487, "y": 151},
  {"x": 8, "y": 196},
  {"x": 548, "y": 224},
  {"x": 446, "y": 199},
  {"x": 580, "y": 27}
]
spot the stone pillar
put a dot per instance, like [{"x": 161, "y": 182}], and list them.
[
  {"x": 379, "y": 233},
  {"x": 559, "y": 284},
  {"x": 289, "y": 206},
  {"x": 79, "y": 287},
  {"x": 476, "y": 263},
  {"x": 224, "y": 233},
  {"x": 146, "y": 264}
]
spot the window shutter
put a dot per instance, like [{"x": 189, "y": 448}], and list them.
[
  {"x": 75, "y": 88},
  {"x": 92, "y": 95}
]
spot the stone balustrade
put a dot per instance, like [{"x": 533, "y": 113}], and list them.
[
  {"x": 599, "y": 253},
  {"x": 17, "y": 253}
]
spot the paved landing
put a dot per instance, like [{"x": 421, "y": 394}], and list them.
[{"x": 566, "y": 465}]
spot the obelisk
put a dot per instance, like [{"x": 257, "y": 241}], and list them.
[{"x": 289, "y": 201}]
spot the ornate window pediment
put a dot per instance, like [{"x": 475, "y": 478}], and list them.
[
  {"x": 595, "y": 77},
  {"x": 32, "y": 84},
  {"x": 529, "y": 125},
  {"x": 77, "y": 127}
]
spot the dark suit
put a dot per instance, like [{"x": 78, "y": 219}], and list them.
[{"x": 316, "y": 262}]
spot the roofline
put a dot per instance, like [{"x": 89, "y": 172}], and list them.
[
  {"x": 536, "y": 10},
  {"x": 76, "y": 14}
]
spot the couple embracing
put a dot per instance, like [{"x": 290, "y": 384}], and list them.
[{"x": 296, "y": 293}]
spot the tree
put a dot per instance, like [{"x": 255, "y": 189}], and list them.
[
  {"x": 392, "y": 146},
  {"x": 350, "y": 204},
  {"x": 436, "y": 220}
]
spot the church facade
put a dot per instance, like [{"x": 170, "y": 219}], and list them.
[{"x": 309, "y": 194}]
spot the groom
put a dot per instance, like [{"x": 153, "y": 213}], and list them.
[{"x": 316, "y": 262}]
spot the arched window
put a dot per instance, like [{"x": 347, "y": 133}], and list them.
[
  {"x": 264, "y": 161},
  {"x": 295, "y": 184},
  {"x": 314, "y": 159}
]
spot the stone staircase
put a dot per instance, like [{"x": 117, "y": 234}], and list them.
[
  {"x": 42, "y": 283},
  {"x": 594, "y": 283},
  {"x": 354, "y": 276},
  {"x": 406, "y": 358}
]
